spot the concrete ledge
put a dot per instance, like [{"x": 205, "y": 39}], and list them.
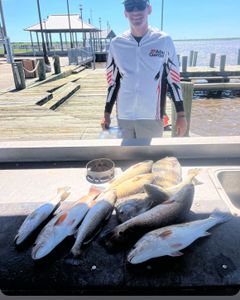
[{"x": 72, "y": 150}]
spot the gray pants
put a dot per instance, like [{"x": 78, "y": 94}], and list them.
[{"x": 141, "y": 129}]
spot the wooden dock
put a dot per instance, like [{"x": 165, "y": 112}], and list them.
[{"x": 68, "y": 108}]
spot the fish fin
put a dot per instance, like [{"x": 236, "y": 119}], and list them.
[
  {"x": 64, "y": 191},
  {"x": 205, "y": 233},
  {"x": 163, "y": 193},
  {"x": 95, "y": 190},
  {"x": 175, "y": 254},
  {"x": 195, "y": 181},
  {"x": 15, "y": 239},
  {"x": 220, "y": 216}
]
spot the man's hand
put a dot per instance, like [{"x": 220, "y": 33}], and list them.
[
  {"x": 106, "y": 121},
  {"x": 181, "y": 124}
]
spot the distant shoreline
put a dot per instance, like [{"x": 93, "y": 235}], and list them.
[
  {"x": 175, "y": 40},
  {"x": 206, "y": 39}
]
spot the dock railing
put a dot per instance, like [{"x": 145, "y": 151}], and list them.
[{"x": 81, "y": 56}]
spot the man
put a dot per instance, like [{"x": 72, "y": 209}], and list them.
[{"x": 142, "y": 64}]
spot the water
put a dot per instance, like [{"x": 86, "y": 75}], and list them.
[
  {"x": 226, "y": 47},
  {"x": 218, "y": 116}
]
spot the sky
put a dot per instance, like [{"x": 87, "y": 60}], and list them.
[{"x": 183, "y": 19}]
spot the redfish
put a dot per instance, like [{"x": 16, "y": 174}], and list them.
[
  {"x": 167, "y": 172},
  {"x": 137, "y": 169},
  {"x": 171, "y": 211},
  {"x": 64, "y": 224},
  {"x": 100, "y": 212},
  {"x": 38, "y": 216},
  {"x": 171, "y": 239}
]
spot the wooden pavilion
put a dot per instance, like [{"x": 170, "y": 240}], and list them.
[{"x": 65, "y": 31}]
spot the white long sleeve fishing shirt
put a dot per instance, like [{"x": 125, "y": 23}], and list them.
[{"x": 139, "y": 75}]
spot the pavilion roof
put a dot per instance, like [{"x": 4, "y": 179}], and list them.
[
  {"x": 108, "y": 34},
  {"x": 60, "y": 23}
]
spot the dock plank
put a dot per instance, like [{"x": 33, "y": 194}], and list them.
[{"x": 21, "y": 118}]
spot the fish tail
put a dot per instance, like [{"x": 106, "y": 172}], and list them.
[
  {"x": 220, "y": 217},
  {"x": 72, "y": 259},
  {"x": 64, "y": 192},
  {"x": 192, "y": 173}
]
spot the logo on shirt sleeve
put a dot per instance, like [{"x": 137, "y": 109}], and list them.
[{"x": 156, "y": 52}]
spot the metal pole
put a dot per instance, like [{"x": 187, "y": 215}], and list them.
[
  {"x": 162, "y": 15},
  {"x": 6, "y": 39},
  {"x": 39, "y": 49},
  {"x": 43, "y": 41},
  {"x": 32, "y": 43},
  {"x": 100, "y": 23},
  {"x": 81, "y": 12},
  {"x": 46, "y": 35},
  {"x": 69, "y": 23}
]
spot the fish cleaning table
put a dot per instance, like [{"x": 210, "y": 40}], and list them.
[{"x": 210, "y": 265}]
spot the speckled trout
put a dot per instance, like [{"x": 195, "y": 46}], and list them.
[
  {"x": 167, "y": 172},
  {"x": 63, "y": 225},
  {"x": 137, "y": 169},
  {"x": 134, "y": 205},
  {"x": 171, "y": 239},
  {"x": 101, "y": 211},
  {"x": 38, "y": 216},
  {"x": 155, "y": 190},
  {"x": 169, "y": 212}
]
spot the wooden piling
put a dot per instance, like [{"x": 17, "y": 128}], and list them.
[
  {"x": 187, "y": 89},
  {"x": 222, "y": 63},
  {"x": 184, "y": 63},
  {"x": 41, "y": 69},
  {"x": 179, "y": 61},
  {"x": 56, "y": 64},
  {"x": 212, "y": 60},
  {"x": 191, "y": 58},
  {"x": 18, "y": 75},
  {"x": 238, "y": 62},
  {"x": 195, "y": 55}
]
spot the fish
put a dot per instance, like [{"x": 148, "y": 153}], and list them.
[
  {"x": 100, "y": 212},
  {"x": 171, "y": 211},
  {"x": 133, "y": 185},
  {"x": 154, "y": 190},
  {"x": 137, "y": 169},
  {"x": 171, "y": 239},
  {"x": 167, "y": 172},
  {"x": 131, "y": 206},
  {"x": 38, "y": 216},
  {"x": 63, "y": 224}
]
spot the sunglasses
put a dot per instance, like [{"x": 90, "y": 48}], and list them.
[{"x": 140, "y": 6}]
